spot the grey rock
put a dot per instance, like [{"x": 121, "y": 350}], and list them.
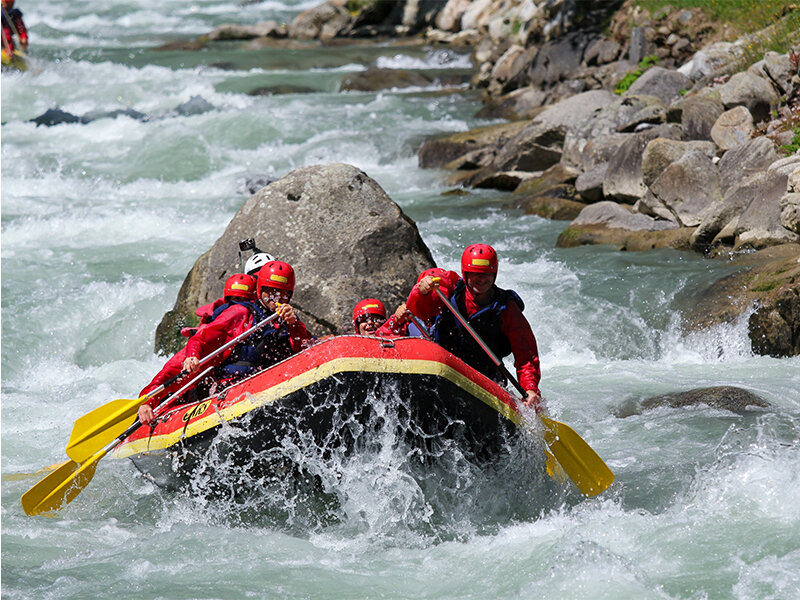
[
  {"x": 687, "y": 187},
  {"x": 251, "y": 184},
  {"x": 613, "y": 216},
  {"x": 651, "y": 111},
  {"x": 601, "y": 51},
  {"x": 696, "y": 114},
  {"x": 665, "y": 84},
  {"x": 710, "y": 60},
  {"x": 620, "y": 115},
  {"x": 639, "y": 46},
  {"x": 560, "y": 58},
  {"x": 760, "y": 225},
  {"x": 538, "y": 145},
  {"x": 749, "y": 90},
  {"x": 449, "y": 19},
  {"x": 522, "y": 103},
  {"x": 725, "y": 397},
  {"x": 681, "y": 46},
  {"x": 601, "y": 149},
  {"x": 753, "y": 156},
  {"x": 661, "y": 152},
  {"x": 794, "y": 180},
  {"x": 345, "y": 238},
  {"x": 509, "y": 70},
  {"x": 790, "y": 212},
  {"x": 776, "y": 68},
  {"x": 725, "y": 214},
  {"x": 323, "y": 21},
  {"x": 196, "y": 105},
  {"x": 439, "y": 152},
  {"x": 623, "y": 180},
  {"x": 381, "y": 79},
  {"x": 788, "y": 166},
  {"x": 232, "y": 31},
  {"x": 733, "y": 128},
  {"x": 55, "y": 116},
  {"x": 589, "y": 184}
]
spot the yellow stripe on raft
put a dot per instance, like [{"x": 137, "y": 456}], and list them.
[{"x": 339, "y": 365}]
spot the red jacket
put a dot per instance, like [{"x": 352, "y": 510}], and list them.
[
  {"x": 236, "y": 320},
  {"x": 390, "y": 329},
  {"x": 514, "y": 326},
  {"x": 10, "y": 24},
  {"x": 175, "y": 364}
]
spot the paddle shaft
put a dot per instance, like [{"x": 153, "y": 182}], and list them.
[
  {"x": 136, "y": 424},
  {"x": 208, "y": 357},
  {"x": 420, "y": 325},
  {"x": 482, "y": 344}
]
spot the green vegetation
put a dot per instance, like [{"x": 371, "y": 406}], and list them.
[
  {"x": 794, "y": 145},
  {"x": 766, "y": 286},
  {"x": 743, "y": 15},
  {"x": 627, "y": 81},
  {"x": 780, "y": 20}
]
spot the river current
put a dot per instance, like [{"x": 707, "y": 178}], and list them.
[{"x": 101, "y": 221}]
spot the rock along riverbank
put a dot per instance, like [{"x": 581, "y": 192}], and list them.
[{"x": 643, "y": 130}]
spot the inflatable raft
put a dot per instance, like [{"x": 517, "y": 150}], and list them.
[{"x": 330, "y": 397}]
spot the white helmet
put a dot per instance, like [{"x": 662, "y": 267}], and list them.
[{"x": 255, "y": 262}]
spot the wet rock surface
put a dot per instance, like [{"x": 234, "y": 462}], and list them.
[
  {"x": 734, "y": 399},
  {"x": 344, "y": 237}
]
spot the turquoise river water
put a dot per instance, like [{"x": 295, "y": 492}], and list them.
[{"x": 101, "y": 222}]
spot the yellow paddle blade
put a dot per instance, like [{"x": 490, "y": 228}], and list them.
[
  {"x": 582, "y": 464},
  {"x": 60, "y": 487},
  {"x": 554, "y": 470},
  {"x": 104, "y": 424}
]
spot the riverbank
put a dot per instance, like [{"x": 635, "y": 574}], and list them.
[{"x": 646, "y": 127}]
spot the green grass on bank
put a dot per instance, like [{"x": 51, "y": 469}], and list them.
[
  {"x": 743, "y": 15},
  {"x": 780, "y": 19}
]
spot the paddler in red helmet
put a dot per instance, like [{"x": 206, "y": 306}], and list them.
[
  {"x": 275, "y": 342},
  {"x": 494, "y": 313},
  {"x": 369, "y": 319},
  {"x": 238, "y": 288},
  {"x": 248, "y": 300},
  {"x": 368, "y": 315},
  {"x": 12, "y": 24}
]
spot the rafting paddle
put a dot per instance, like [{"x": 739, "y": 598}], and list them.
[
  {"x": 60, "y": 487},
  {"x": 580, "y": 462},
  {"x": 97, "y": 428}
]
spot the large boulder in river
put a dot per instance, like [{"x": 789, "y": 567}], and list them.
[
  {"x": 724, "y": 397},
  {"x": 345, "y": 238}
]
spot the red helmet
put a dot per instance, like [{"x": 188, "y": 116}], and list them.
[
  {"x": 434, "y": 272},
  {"x": 276, "y": 274},
  {"x": 241, "y": 286},
  {"x": 478, "y": 258},
  {"x": 368, "y": 306}
]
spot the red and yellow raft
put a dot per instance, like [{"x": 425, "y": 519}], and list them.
[{"x": 331, "y": 396}]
